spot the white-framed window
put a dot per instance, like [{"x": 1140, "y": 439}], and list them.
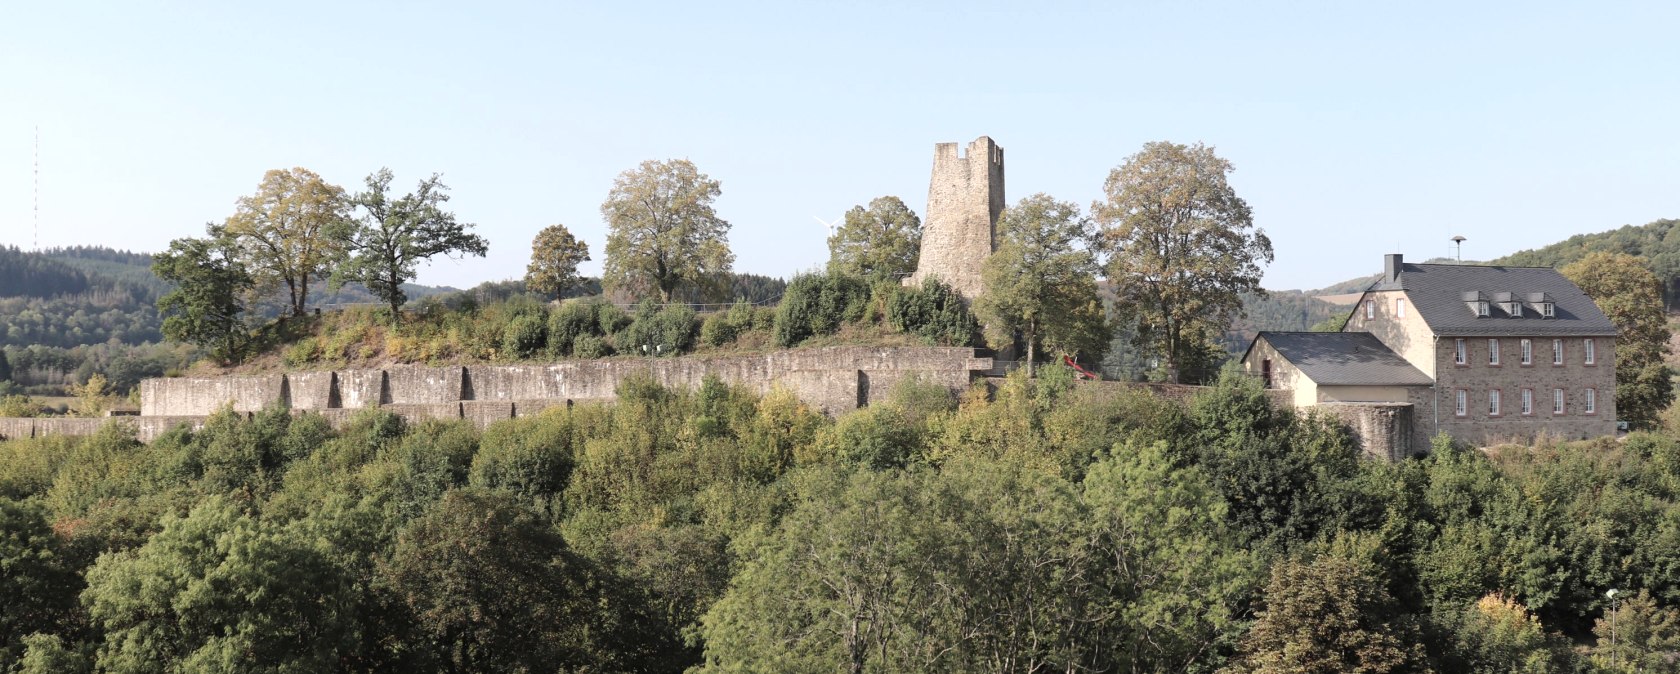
[
  {"x": 1590, "y": 404},
  {"x": 1370, "y": 309},
  {"x": 1528, "y": 352},
  {"x": 1461, "y": 353},
  {"x": 1493, "y": 352},
  {"x": 1591, "y": 352},
  {"x": 1399, "y": 307},
  {"x": 1557, "y": 352},
  {"x": 1557, "y": 401},
  {"x": 1461, "y": 403},
  {"x": 1493, "y": 403},
  {"x": 1546, "y": 310},
  {"x": 1527, "y": 401}
]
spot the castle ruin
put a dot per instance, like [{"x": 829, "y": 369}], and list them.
[{"x": 965, "y": 197}]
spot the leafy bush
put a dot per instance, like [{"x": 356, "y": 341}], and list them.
[
  {"x": 935, "y": 312},
  {"x": 818, "y": 304},
  {"x": 590, "y": 346},
  {"x": 571, "y": 320},
  {"x": 306, "y": 351},
  {"x": 669, "y": 329},
  {"x": 716, "y": 330},
  {"x": 19, "y": 406},
  {"x": 524, "y": 337},
  {"x": 724, "y": 327},
  {"x": 609, "y": 318}
]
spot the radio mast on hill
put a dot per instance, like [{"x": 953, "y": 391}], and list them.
[{"x": 37, "y": 220}]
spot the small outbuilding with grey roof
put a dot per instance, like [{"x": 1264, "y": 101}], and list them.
[{"x": 1323, "y": 367}]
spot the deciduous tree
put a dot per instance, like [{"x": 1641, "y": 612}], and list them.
[
  {"x": 219, "y": 590},
  {"x": 293, "y": 230},
  {"x": 1638, "y": 636},
  {"x": 1041, "y": 282},
  {"x": 207, "y": 306},
  {"x": 555, "y": 256},
  {"x": 1182, "y": 245},
  {"x": 494, "y": 588},
  {"x": 396, "y": 235},
  {"x": 880, "y": 243},
  {"x": 1625, "y": 290},
  {"x": 1328, "y": 616},
  {"x": 662, "y": 232},
  {"x": 36, "y": 590}
]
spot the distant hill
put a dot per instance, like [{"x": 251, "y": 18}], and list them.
[
  {"x": 1658, "y": 242},
  {"x": 65, "y": 297}
]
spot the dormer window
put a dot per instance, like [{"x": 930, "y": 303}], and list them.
[
  {"x": 1509, "y": 303},
  {"x": 1477, "y": 303},
  {"x": 1543, "y": 303}
]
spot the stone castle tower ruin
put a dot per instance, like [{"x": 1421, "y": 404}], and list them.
[{"x": 965, "y": 197}]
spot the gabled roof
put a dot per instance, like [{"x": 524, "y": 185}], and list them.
[
  {"x": 1344, "y": 359},
  {"x": 1438, "y": 293}
]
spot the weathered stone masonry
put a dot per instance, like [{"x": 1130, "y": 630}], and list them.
[
  {"x": 965, "y": 197},
  {"x": 832, "y": 380}
]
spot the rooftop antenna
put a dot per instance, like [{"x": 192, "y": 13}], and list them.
[
  {"x": 37, "y": 213},
  {"x": 1459, "y": 241}
]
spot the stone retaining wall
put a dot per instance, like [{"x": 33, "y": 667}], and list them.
[{"x": 833, "y": 380}]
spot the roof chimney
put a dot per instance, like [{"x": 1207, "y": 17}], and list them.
[{"x": 1391, "y": 267}]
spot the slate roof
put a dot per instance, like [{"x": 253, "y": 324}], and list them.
[
  {"x": 1344, "y": 359},
  {"x": 1437, "y": 292}
]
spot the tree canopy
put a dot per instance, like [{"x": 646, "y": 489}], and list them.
[
  {"x": 662, "y": 233},
  {"x": 207, "y": 306},
  {"x": 1182, "y": 246},
  {"x": 291, "y": 231},
  {"x": 555, "y": 256},
  {"x": 1041, "y": 283},
  {"x": 394, "y": 235},
  {"x": 1627, "y": 292},
  {"x": 879, "y": 243}
]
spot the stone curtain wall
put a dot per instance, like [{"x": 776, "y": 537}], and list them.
[
  {"x": 833, "y": 380},
  {"x": 965, "y": 197}
]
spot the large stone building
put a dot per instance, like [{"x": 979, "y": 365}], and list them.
[
  {"x": 1482, "y": 353},
  {"x": 965, "y": 197}
]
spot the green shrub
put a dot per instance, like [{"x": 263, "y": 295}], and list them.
[
  {"x": 717, "y": 330},
  {"x": 574, "y": 318},
  {"x": 724, "y": 327},
  {"x": 764, "y": 318},
  {"x": 590, "y": 346},
  {"x": 524, "y": 337},
  {"x": 669, "y": 329},
  {"x": 306, "y": 351},
  {"x": 19, "y": 406},
  {"x": 935, "y": 312},
  {"x": 610, "y": 318},
  {"x": 818, "y": 304}
]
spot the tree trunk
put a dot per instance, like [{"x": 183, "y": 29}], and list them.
[
  {"x": 301, "y": 298},
  {"x": 1032, "y": 349}
]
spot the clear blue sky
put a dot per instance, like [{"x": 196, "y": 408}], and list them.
[{"x": 1357, "y": 129}]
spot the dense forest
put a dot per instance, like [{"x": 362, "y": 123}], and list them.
[
  {"x": 1041, "y": 526},
  {"x": 1658, "y": 242}
]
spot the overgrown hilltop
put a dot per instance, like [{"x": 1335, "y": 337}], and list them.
[
  {"x": 813, "y": 310},
  {"x": 1047, "y": 526}
]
